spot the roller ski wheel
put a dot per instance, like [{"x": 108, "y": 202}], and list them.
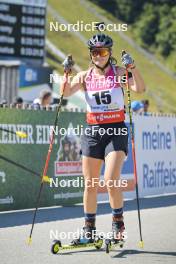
[
  {"x": 111, "y": 244},
  {"x": 56, "y": 246},
  {"x": 107, "y": 245},
  {"x": 98, "y": 242}
]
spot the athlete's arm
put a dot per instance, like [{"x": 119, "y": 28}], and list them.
[
  {"x": 73, "y": 85},
  {"x": 136, "y": 82}
]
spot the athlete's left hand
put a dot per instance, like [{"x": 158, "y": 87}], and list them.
[
  {"x": 68, "y": 64},
  {"x": 128, "y": 61}
]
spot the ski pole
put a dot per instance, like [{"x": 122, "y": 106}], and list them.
[
  {"x": 141, "y": 243},
  {"x": 18, "y": 133},
  {"x": 49, "y": 152}
]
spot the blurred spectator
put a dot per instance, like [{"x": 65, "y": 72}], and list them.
[
  {"x": 3, "y": 102},
  {"x": 146, "y": 106},
  {"x": 44, "y": 99},
  {"x": 56, "y": 101},
  {"x": 137, "y": 107},
  {"x": 18, "y": 101}
]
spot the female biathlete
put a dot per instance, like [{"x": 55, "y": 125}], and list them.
[{"x": 105, "y": 109}]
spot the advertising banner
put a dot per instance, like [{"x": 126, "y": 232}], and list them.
[
  {"x": 155, "y": 142},
  {"x": 155, "y": 139},
  {"x": 19, "y": 188}
]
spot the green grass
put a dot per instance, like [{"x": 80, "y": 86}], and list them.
[{"x": 158, "y": 83}]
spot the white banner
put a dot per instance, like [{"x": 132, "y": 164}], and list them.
[{"x": 155, "y": 141}]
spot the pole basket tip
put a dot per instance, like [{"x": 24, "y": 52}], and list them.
[
  {"x": 21, "y": 134},
  {"x": 29, "y": 241},
  {"x": 141, "y": 244},
  {"x": 46, "y": 179}
]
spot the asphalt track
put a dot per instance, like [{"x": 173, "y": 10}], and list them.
[{"x": 158, "y": 226}]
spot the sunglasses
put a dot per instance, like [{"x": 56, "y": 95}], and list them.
[{"x": 100, "y": 52}]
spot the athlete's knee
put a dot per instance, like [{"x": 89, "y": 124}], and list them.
[
  {"x": 112, "y": 185},
  {"x": 91, "y": 184}
]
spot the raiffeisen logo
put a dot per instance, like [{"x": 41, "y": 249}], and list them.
[
  {"x": 160, "y": 172},
  {"x": 159, "y": 175}
]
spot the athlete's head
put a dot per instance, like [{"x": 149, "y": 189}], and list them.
[
  {"x": 100, "y": 46},
  {"x": 100, "y": 41}
]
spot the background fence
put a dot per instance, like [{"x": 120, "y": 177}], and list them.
[{"x": 155, "y": 137}]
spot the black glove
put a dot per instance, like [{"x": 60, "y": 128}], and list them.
[
  {"x": 127, "y": 60},
  {"x": 68, "y": 64}
]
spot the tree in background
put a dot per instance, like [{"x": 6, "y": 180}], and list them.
[
  {"x": 128, "y": 10},
  {"x": 153, "y": 21},
  {"x": 166, "y": 36},
  {"x": 146, "y": 26}
]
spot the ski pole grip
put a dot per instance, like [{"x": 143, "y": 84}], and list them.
[
  {"x": 68, "y": 63},
  {"x": 100, "y": 26},
  {"x": 69, "y": 57},
  {"x": 123, "y": 52}
]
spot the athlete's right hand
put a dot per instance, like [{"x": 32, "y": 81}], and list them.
[{"x": 68, "y": 64}]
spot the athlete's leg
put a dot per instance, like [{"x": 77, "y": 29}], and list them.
[
  {"x": 91, "y": 170},
  {"x": 113, "y": 166}
]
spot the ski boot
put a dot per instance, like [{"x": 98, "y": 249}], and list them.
[
  {"x": 117, "y": 238},
  {"x": 89, "y": 238}
]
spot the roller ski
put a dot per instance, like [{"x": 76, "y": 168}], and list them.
[
  {"x": 88, "y": 240},
  {"x": 117, "y": 238}
]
